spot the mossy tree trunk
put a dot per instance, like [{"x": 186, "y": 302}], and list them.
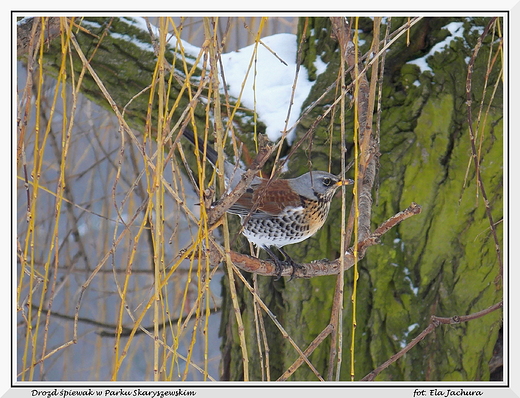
[{"x": 442, "y": 262}]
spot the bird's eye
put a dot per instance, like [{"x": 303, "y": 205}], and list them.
[{"x": 327, "y": 181}]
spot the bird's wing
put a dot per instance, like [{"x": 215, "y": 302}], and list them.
[{"x": 266, "y": 199}]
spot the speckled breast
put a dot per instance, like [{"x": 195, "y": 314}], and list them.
[{"x": 293, "y": 225}]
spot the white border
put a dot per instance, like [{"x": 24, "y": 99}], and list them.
[{"x": 397, "y": 389}]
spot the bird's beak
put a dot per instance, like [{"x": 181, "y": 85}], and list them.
[{"x": 347, "y": 181}]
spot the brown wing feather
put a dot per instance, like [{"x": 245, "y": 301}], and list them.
[{"x": 266, "y": 201}]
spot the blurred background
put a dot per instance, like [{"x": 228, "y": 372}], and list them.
[{"x": 104, "y": 193}]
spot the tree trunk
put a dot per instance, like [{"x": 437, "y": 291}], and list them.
[{"x": 442, "y": 262}]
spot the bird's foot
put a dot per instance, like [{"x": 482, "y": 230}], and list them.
[
  {"x": 290, "y": 262},
  {"x": 280, "y": 265},
  {"x": 294, "y": 266}
]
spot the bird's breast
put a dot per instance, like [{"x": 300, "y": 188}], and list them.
[{"x": 292, "y": 225}]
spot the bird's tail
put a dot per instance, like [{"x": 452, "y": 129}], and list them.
[
  {"x": 232, "y": 173},
  {"x": 211, "y": 154}
]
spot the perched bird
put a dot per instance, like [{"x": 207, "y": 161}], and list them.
[{"x": 279, "y": 212}]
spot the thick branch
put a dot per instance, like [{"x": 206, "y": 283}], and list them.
[
  {"x": 369, "y": 147},
  {"x": 317, "y": 267},
  {"x": 24, "y": 32}
]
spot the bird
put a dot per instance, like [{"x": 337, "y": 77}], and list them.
[{"x": 278, "y": 212}]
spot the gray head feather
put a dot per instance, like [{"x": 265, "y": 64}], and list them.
[{"x": 316, "y": 185}]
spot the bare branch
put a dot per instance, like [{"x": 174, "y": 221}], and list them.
[
  {"x": 317, "y": 267},
  {"x": 315, "y": 343},
  {"x": 434, "y": 322},
  {"x": 227, "y": 200},
  {"x": 474, "y": 153},
  {"x": 25, "y": 33}
]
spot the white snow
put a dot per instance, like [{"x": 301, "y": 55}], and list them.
[
  {"x": 456, "y": 29},
  {"x": 265, "y": 87},
  {"x": 320, "y": 66}
]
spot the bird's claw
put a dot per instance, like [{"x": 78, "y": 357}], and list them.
[
  {"x": 281, "y": 265},
  {"x": 294, "y": 266}
]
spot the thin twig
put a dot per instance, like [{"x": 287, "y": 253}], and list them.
[
  {"x": 310, "y": 349},
  {"x": 434, "y": 323},
  {"x": 217, "y": 254},
  {"x": 474, "y": 154}
]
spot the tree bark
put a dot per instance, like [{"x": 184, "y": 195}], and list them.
[{"x": 442, "y": 262}]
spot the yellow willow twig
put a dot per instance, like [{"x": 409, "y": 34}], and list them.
[
  {"x": 238, "y": 100},
  {"x": 220, "y": 130},
  {"x": 65, "y": 144},
  {"x": 38, "y": 160},
  {"x": 158, "y": 191},
  {"x": 341, "y": 276},
  {"x": 255, "y": 56},
  {"x": 356, "y": 202},
  {"x": 162, "y": 283},
  {"x": 202, "y": 290},
  {"x": 257, "y": 316},
  {"x": 31, "y": 215}
]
